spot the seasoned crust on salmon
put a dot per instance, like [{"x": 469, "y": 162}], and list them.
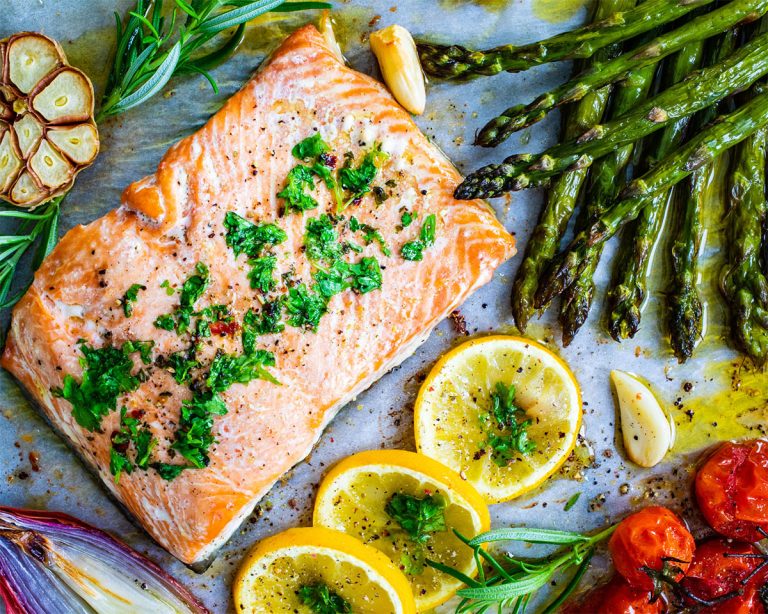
[{"x": 172, "y": 220}]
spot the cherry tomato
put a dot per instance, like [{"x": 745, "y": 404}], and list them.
[
  {"x": 646, "y": 540},
  {"x": 718, "y": 570},
  {"x": 732, "y": 490},
  {"x": 616, "y": 597}
]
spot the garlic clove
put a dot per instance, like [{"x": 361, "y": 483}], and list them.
[
  {"x": 66, "y": 98},
  {"x": 10, "y": 158},
  {"x": 30, "y": 58},
  {"x": 79, "y": 143},
  {"x": 50, "y": 168},
  {"x": 326, "y": 29},
  {"x": 645, "y": 427},
  {"x": 26, "y": 191},
  {"x": 28, "y": 132},
  {"x": 398, "y": 58}
]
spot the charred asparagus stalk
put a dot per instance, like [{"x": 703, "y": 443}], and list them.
[
  {"x": 700, "y": 28},
  {"x": 702, "y": 89},
  {"x": 562, "y": 197},
  {"x": 685, "y": 312},
  {"x": 604, "y": 186},
  {"x": 47, "y": 132},
  {"x": 628, "y": 291},
  {"x": 696, "y": 153},
  {"x": 457, "y": 62},
  {"x": 744, "y": 283}
]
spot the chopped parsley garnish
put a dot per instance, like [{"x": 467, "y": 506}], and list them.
[
  {"x": 144, "y": 349},
  {"x": 406, "y": 219},
  {"x": 322, "y": 600},
  {"x": 507, "y": 434},
  {"x": 168, "y": 471},
  {"x": 296, "y": 199},
  {"x": 304, "y": 308},
  {"x": 130, "y": 297},
  {"x": 262, "y": 273},
  {"x": 332, "y": 281},
  {"x": 129, "y": 432},
  {"x": 321, "y": 240},
  {"x": 365, "y": 275},
  {"x": 192, "y": 289},
  {"x": 194, "y": 436},
  {"x": 370, "y": 234},
  {"x": 181, "y": 365},
  {"x": 228, "y": 369},
  {"x": 414, "y": 250},
  {"x": 310, "y": 148},
  {"x": 168, "y": 289},
  {"x": 266, "y": 321},
  {"x": 245, "y": 237},
  {"x": 107, "y": 374},
  {"x": 358, "y": 180},
  {"x": 419, "y": 518}
]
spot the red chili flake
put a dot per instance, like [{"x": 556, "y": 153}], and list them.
[
  {"x": 34, "y": 460},
  {"x": 224, "y": 328},
  {"x": 137, "y": 414},
  {"x": 119, "y": 447},
  {"x": 328, "y": 160}
]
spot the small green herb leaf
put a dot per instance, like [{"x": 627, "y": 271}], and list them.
[
  {"x": 130, "y": 297},
  {"x": 310, "y": 148},
  {"x": 245, "y": 237},
  {"x": 507, "y": 435},
  {"x": 228, "y": 369},
  {"x": 262, "y": 273},
  {"x": 304, "y": 308},
  {"x": 322, "y": 600},
  {"x": 419, "y": 517},
  {"x": 414, "y": 250},
  {"x": 168, "y": 471},
  {"x": 321, "y": 240},
  {"x": 296, "y": 200},
  {"x": 267, "y": 321},
  {"x": 358, "y": 180}
]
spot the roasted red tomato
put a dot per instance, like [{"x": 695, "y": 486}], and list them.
[
  {"x": 645, "y": 541},
  {"x": 732, "y": 490},
  {"x": 720, "y": 568},
  {"x": 616, "y": 597}
]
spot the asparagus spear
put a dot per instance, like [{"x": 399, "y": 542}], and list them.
[
  {"x": 626, "y": 295},
  {"x": 696, "y": 153},
  {"x": 700, "y": 28},
  {"x": 605, "y": 184},
  {"x": 744, "y": 283},
  {"x": 457, "y": 62},
  {"x": 685, "y": 312},
  {"x": 562, "y": 197},
  {"x": 700, "y": 90}
]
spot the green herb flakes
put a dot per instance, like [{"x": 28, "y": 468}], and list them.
[
  {"x": 406, "y": 219},
  {"x": 168, "y": 471},
  {"x": 194, "y": 435},
  {"x": 304, "y": 308},
  {"x": 245, "y": 237},
  {"x": 358, "y": 180},
  {"x": 414, "y": 250},
  {"x": 169, "y": 291},
  {"x": 106, "y": 376},
  {"x": 228, "y": 369},
  {"x": 507, "y": 434},
  {"x": 321, "y": 240},
  {"x": 365, "y": 275},
  {"x": 181, "y": 365},
  {"x": 191, "y": 291},
  {"x": 130, "y": 297},
  {"x": 419, "y": 518},
  {"x": 129, "y": 432},
  {"x": 370, "y": 234},
  {"x": 322, "y": 600},
  {"x": 296, "y": 199},
  {"x": 266, "y": 321},
  {"x": 310, "y": 148},
  {"x": 262, "y": 272}
]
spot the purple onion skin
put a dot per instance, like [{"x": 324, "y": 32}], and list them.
[{"x": 22, "y": 569}]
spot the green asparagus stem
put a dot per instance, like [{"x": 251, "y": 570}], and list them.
[
  {"x": 700, "y": 90},
  {"x": 457, "y": 62},
  {"x": 562, "y": 197},
  {"x": 702, "y": 149},
  {"x": 684, "y": 308},
  {"x": 627, "y": 293},
  {"x": 604, "y": 186},
  {"x": 744, "y": 284},
  {"x": 700, "y": 28}
]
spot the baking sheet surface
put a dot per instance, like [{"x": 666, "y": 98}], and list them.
[{"x": 39, "y": 471}]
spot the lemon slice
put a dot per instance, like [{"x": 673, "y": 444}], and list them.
[
  {"x": 456, "y": 397},
  {"x": 281, "y": 572},
  {"x": 354, "y": 496}
]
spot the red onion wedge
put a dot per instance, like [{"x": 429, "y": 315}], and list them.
[{"x": 52, "y": 563}]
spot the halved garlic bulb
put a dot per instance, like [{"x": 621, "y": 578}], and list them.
[
  {"x": 647, "y": 431},
  {"x": 47, "y": 131}
]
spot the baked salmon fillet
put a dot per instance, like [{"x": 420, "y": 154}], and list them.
[{"x": 192, "y": 344}]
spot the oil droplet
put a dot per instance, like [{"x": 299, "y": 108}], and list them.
[{"x": 557, "y": 11}]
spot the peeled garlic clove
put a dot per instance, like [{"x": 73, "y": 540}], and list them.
[
  {"x": 645, "y": 427},
  {"x": 10, "y": 158},
  {"x": 66, "y": 98},
  {"x": 79, "y": 143},
  {"x": 395, "y": 50},
  {"x": 31, "y": 57},
  {"x": 28, "y": 132},
  {"x": 26, "y": 191}
]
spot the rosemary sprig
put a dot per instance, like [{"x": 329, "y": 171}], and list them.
[
  {"x": 509, "y": 582},
  {"x": 154, "y": 44}
]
